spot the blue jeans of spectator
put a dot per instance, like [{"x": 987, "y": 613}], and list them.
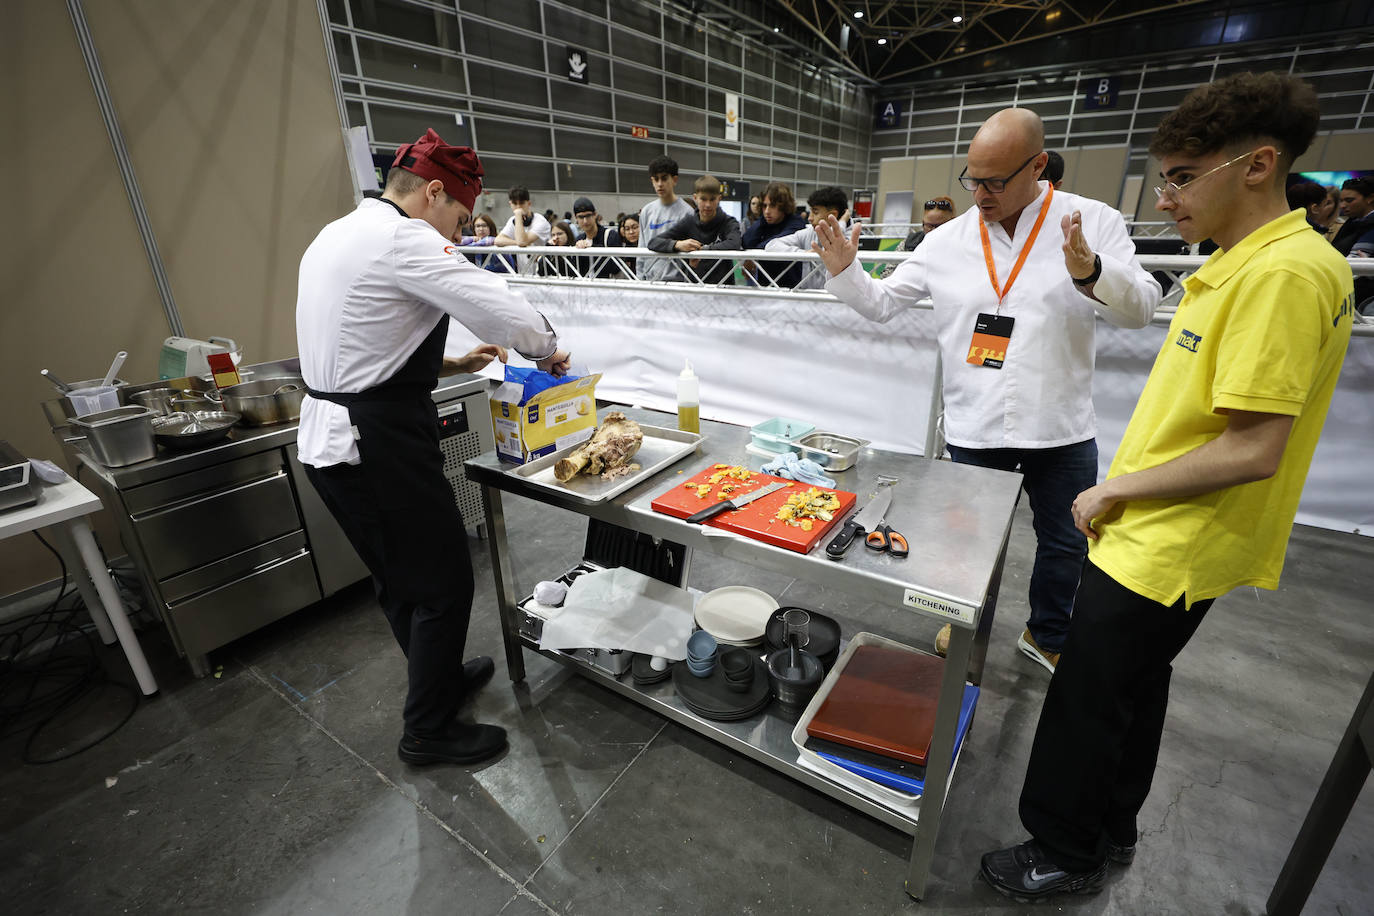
[{"x": 1052, "y": 478}]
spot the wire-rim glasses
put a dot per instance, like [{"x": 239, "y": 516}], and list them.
[{"x": 1171, "y": 191}]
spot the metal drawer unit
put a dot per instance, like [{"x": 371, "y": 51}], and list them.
[
  {"x": 221, "y": 548},
  {"x": 216, "y": 523}
]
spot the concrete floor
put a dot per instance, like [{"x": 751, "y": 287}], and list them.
[{"x": 275, "y": 788}]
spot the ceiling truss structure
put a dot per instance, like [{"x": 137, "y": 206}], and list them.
[{"x": 896, "y": 39}]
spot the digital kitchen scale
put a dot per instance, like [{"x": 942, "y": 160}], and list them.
[{"x": 18, "y": 487}]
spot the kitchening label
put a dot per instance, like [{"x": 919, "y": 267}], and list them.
[{"x": 915, "y": 599}]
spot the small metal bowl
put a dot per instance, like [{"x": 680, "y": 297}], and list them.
[
  {"x": 830, "y": 450},
  {"x": 194, "y": 428}
]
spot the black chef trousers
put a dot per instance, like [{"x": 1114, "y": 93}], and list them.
[
  {"x": 406, "y": 527},
  {"x": 1097, "y": 741}
]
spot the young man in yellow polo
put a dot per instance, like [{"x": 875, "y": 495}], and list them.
[{"x": 1202, "y": 492}]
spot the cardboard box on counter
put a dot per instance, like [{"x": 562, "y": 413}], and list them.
[{"x": 555, "y": 418}]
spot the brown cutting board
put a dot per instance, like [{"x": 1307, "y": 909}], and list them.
[{"x": 883, "y": 702}]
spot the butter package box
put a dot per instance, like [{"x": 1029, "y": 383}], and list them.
[{"x": 554, "y": 418}]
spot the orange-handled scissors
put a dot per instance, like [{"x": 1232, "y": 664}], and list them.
[{"x": 884, "y": 538}]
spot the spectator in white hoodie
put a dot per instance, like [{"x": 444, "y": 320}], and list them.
[{"x": 824, "y": 202}]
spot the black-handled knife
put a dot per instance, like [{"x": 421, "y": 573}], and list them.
[
  {"x": 865, "y": 520},
  {"x": 738, "y": 502}
]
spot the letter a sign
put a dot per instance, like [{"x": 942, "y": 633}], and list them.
[{"x": 887, "y": 115}]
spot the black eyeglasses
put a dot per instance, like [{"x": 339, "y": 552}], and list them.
[
  {"x": 940, "y": 204},
  {"x": 995, "y": 185}
]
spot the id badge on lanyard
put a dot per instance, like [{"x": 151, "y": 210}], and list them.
[{"x": 992, "y": 333}]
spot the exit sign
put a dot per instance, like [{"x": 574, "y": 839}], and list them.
[
  {"x": 640, "y": 132},
  {"x": 1102, "y": 93}
]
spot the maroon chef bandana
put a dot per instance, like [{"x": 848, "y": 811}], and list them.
[{"x": 456, "y": 166}]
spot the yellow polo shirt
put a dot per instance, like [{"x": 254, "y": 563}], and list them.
[{"x": 1263, "y": 327}]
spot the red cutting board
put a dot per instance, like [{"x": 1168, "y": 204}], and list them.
[{"x": 755, "y": 520}]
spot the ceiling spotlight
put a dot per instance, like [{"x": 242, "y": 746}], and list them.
[
  {"x": 858, "y": 14},
  {"x": 882, "y": 41},
  {"x": 957, "y": 19},
  {"x": 775, "y": 28}
]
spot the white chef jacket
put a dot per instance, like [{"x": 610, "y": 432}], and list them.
[
  {"x": 1042, "y": 397},
  {"x": 372, "y": 286}
]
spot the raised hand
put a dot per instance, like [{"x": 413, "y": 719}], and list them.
[
  {"x": 836, "y": 250},
  {"x": 1078, "y": 257}
]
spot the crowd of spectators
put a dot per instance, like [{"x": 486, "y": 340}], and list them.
[
  {"x": 774, "y": 222},
  {"x": 667, "y": 223},
  {"x": 1345, "y": 217}
]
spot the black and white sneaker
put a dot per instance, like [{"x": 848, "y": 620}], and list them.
[{"x": 1027, "y": 874}]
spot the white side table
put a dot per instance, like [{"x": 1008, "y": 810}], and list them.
[{"x": 64, "y": 508}]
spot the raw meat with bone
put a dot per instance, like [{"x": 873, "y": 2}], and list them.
[{"x": 613, "y": 444}]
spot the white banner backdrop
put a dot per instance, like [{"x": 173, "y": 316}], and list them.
[{"x": 765, "y": 356}]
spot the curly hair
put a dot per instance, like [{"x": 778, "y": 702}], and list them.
[{"x": 1239, "y": 108}]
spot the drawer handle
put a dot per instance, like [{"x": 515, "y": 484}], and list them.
[
  {"x": 255, "y": 571},
  {"x": 203, "y": 497}
]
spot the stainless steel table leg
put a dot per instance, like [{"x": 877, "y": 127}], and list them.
[
  {"x": 505, "y": 582},
  {"x": 979, "y": 653},
  {"x": 939, "y": 760}
]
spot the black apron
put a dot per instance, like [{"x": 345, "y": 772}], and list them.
[{"x": 398, "y": 511}]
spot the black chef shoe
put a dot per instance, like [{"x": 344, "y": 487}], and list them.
[
  {"x": 462, "y": 744},
  {"x": 476, "y": 673},
  {"x": 1025, "y": 873},
  {"x": 1119, "y": 854}
]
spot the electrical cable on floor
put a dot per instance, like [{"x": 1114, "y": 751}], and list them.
[{"x": 39, "y": 683}]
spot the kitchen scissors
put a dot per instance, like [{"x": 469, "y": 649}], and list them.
[{"x": 884, "y": 538}]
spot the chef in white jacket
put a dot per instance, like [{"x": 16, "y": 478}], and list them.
[
  {"x": 377, "y": 289},
  {"x": 1018, "y": 282}
]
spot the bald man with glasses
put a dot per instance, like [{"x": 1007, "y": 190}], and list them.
[{"x": 1017, "y": 283}]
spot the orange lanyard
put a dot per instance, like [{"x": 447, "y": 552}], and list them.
[{"x": 1025, "y": 250}]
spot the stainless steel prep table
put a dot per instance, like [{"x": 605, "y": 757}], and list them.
[{"x": 957, "y": 519}]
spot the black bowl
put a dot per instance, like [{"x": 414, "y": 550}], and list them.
[{"x": 794, "y": 693}]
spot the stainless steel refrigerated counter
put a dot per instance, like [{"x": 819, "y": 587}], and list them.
[
  {"x": 957, "y": 519},
  {"x": 231, "y": 537}
]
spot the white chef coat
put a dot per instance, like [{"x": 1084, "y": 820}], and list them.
[
  {"x": 1042, "y": 396},
  {"x": 372, "y": 286}
]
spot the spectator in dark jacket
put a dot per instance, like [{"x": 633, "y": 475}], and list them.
[
  {"x": 1307, "y": 196},
  {"x": 709, "y": 229},
  {"x": 779, "y": 218}
]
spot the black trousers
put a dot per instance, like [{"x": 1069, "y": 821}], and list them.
[
  {"x": 1097, "y": 741},
  {"x": 409, "y": 532}
]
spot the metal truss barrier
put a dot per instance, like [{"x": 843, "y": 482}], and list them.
[{"x": 740, "y": 273}]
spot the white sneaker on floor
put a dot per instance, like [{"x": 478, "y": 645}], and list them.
[{"x": 1026, "y": 643}]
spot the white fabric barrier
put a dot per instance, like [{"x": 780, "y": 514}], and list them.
[{"x": 760, "y": 356}]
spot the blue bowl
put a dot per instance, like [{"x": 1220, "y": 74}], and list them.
[
  {"x": 701, "y": 646},
  {"x": 704, "y": 671}
]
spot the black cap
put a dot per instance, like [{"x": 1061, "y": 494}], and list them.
[{"x": 583, "y": 205}]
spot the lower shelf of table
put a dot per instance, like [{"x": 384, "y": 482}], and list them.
[{"x": 765, "y": 738}]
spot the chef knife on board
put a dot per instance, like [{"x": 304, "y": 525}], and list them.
[
  {"x": 866, "y": 519},
  {"x": 738, "y": 502}
]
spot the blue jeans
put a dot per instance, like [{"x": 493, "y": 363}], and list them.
[{"x": 1052, "y": 478}]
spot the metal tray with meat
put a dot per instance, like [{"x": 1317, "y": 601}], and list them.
[{"x": 621, "y": 454}]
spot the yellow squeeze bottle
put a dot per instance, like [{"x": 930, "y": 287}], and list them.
[{"x": 688, "y": 401}]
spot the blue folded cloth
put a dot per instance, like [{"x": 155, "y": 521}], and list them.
[
  {"x": 802, "y": 470},
  {"x": 535, "y": 381}
]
